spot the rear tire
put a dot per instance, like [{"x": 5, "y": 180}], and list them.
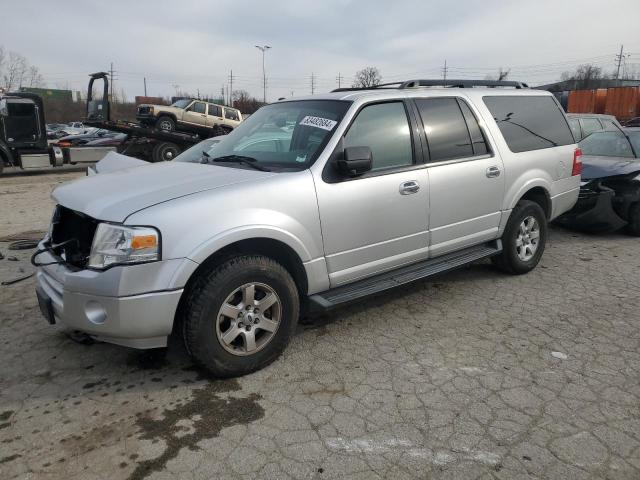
[
  {"x": 164, "y": 152},
  {"x": 633, "y": 227},
  {"x": 523, "y": 240},
  {"x": 166, "y": 124},
  {"x": 230, "y": 327}
]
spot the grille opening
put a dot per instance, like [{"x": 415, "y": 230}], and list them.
[{"x": 75, "y": 231}]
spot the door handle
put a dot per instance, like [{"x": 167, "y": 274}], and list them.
[
  {"x": 493, "y": 172},
  {"x": 407, "y": 188}
]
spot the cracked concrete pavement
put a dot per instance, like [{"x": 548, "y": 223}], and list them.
[{"x": 473, "y": 375}]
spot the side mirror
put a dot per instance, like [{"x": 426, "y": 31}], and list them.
[{"x": 356, "y": 161}]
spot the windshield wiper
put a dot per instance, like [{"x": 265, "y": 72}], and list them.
[{"x": 249, "y": 161}]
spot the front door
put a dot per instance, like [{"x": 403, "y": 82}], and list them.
[
  {"x": 376, "y": 221},
  {"x": 195, "y": 114},
  {"x": 466, "y": 178}
]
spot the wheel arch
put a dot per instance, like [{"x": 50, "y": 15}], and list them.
[
  {"x": 167, "y": 114},
  {"x": 539, "y": 195},
  {"x": 535, "y": 191},
  {"x": 269, "y": 247}
]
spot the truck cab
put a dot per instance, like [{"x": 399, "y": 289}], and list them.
[{"x": 23, "y": 135}]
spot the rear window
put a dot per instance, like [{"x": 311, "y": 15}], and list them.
[{"x": 529, "y": 122}]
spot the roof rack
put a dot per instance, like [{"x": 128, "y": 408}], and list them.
[{"x": 449, "y": 83}]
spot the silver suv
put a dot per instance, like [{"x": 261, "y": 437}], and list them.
[{"x": 308, "y": 204}]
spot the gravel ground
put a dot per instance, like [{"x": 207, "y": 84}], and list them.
[{"x": 473, "y": 375}]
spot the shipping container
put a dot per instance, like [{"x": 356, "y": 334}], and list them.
[
  {"x": 582, "y": 101},
  {"x": 623, "y": 102},
  {"x": 601, "y": 100}
]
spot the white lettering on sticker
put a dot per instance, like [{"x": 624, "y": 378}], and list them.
[{"x": 323, "y": 123}]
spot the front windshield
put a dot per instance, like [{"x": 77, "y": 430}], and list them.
[
  {"x": 607, "y": 144},
  {"x": 181, "y": 103},
  {"x": 287, "y": 135}
]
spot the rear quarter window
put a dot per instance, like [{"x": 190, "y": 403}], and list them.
[{"x": 529, "y": 122}]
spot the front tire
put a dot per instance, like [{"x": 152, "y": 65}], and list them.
[
  {"x": 240, "y": 315},
  {"x": 166, "y": 124},
  {"x": 523, "y": 240}
]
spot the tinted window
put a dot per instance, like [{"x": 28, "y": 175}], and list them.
[
  {"x": 197, "y": 107},
  {"x": 383, "y": 128},
  {"x": 529, "y": 122},
  {"x": 608, "y": 144},
  {"x": 590, "y": 125},
  {"x": 609, "y": 124},
  {"x": 231, "y": 114},
  {"x": 447, "y": 133},
  {"x": 477, "y": 139},
  {"x": 215, "y": 110},
  {"x": 575, "y": 128}
]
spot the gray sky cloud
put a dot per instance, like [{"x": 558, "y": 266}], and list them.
[{"x": 195, "y": 44}]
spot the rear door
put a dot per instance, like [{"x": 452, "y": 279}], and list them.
[
  {"x": 465, "y": 175},
  {"x": 195, "y": 114},
  {"x": 214, "y": 115}
]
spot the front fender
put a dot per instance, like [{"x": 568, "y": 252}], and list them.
[{"x": 245, "y": 232}]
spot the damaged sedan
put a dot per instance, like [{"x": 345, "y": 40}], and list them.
[{"x": 610, "y": 190}]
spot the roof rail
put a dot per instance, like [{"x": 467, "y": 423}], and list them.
[{"x": 449, "y": 83}]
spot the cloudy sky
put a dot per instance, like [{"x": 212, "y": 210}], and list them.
[{"x": 194, "y": 44}]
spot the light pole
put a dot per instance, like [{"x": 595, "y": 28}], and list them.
[{"x": 263, "y": 49}]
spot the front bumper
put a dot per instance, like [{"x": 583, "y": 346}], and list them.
[
  {"x": 134, "y": 306},
  {"x": 594, "y": 212}
]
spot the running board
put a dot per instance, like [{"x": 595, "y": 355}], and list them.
[{"x": 400, "y": 276}]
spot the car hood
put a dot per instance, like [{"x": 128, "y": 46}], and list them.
[
  {"x": 116, "y": 195},
  {"x": 600, "y": 167}
]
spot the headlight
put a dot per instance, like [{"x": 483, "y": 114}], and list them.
[{"x": 116, "y": 244}]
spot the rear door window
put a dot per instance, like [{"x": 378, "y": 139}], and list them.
[
  {"x": 447, "y": 133},
  {"x": 215, "y": 110},
  {"x": 590, "y": 125},
  {"x": 529, "y": 122}
]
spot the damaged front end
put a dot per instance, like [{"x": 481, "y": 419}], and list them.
[{"x": 603, "y": 204}]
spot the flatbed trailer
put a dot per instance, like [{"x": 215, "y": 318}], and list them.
[{"x": 142, "y": 141}]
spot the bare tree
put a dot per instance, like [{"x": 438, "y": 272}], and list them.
[
  {"x": 502, "y": 75},
  {"x": 34, "y": 77},
  {"x": 244, "y": 102},
  {"x": 16, "y": 70},
  {"x": 585, "y": 76},
  {"x": 367, "y": 77},
  {"x": 2, "y": 56}
]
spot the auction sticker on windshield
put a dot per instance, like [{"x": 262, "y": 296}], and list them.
[{"x": 319, "y": 122}]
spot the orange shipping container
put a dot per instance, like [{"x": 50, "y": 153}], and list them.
[
  {"x": 623, "y": 102},
  {"x": 582, "y": 101},
  {"x": 601, "y": 100}
]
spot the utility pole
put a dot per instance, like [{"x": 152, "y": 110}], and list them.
[
  {"x": 145, "y": 85},
  {"x": 263, "y": 49},
  {"x": 231, "y": 88},
  {"x": 222, "y": 95},
  {"x": 339, "y": 79},
  {"x": 444, "y": 71},
  {"x": 313, "y": 83},
  {"x": 111, "y": 80},
  {"x": 619, "y": 59}
]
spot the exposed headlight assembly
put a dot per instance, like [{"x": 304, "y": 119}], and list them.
[{"x": 120, "y": 245}]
